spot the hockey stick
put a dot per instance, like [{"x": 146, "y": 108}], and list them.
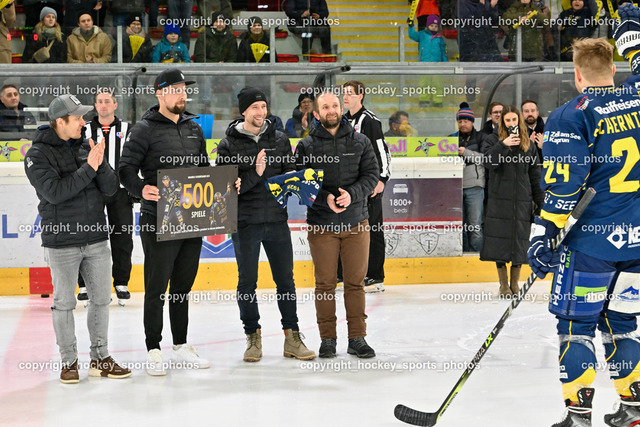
[{"x": 428, "y": 419}]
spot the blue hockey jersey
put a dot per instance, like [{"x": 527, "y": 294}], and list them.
[
  {"x": 594, "y": 141},
  {"x": 305, "y": 184}
]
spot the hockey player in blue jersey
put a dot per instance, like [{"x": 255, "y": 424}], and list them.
[{"x": 593, "y": 141}]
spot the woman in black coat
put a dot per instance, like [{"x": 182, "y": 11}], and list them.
[
  {"x": 514, "y": 194},
  {"x": 255, "y": 36},
  {"x": 47, "y": 32}
]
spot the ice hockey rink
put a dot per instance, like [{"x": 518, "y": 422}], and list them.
[{"x": 424, "y": 336}]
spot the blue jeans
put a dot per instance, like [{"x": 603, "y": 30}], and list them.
[
  {"x": 94, "y": 264},
  {"x": 276, "y": 239},
  {"x": 472, "y": 199}
]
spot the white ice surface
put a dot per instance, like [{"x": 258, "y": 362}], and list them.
[{"x": 516, "y": 383}]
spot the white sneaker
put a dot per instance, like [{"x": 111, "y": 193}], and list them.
[
  {"x": 155, "y": 365},
  {"x": 188, "y": 355}
]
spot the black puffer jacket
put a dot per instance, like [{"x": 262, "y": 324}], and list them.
[
  {"x": 514, "y": 194},
  {"x": 349, "y": 163},
  {"x": 71, "y": 193},
  {"x": 155, "y": 142},
  {"x": 256, "y": 205}
]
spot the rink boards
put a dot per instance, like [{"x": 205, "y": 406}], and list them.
[{"x": 422, "y": 209}]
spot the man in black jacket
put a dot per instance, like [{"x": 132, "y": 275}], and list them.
[
  {"x": 535, "y": 124},
  {"x": 366, "y": 123},
  {"x": 71, "y": 184},
  {"x": 309, "y": 19},
  {"x": 113, "y": 131},
  {"x": 13, "y": 118},
  {"x": 337, "y": 221},
  {"x": 491, "y": 125},
  {"x": 165, "y": 138},
  {"x": 260, "y": 151}
]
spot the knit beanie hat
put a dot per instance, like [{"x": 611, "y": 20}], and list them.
[
  {"x": 47, "y": 10},
  {"x": 465, "y": 113},
  {"x": 303, "y": 96},
  {"x": 433, "y": 19},
  {"x": 171, "y": 28},
  {"x": 254, "y": 20},
  {"x": 248, "y": 96}
]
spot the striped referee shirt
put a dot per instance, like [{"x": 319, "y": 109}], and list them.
[
  {"x": 366, "y": 123},
  {"x": 114, "y": 136}
]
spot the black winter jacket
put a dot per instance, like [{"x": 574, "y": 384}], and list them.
[
  {"x": 349, "y": 163},
  {"x": 295, "y": 9},
  {"x": 245, "y": 53},
  {"x": 57, "y": 51},
  {"x": 155, "y": 142},
  {"x": 71, "y": 193},
  {"x": 365, "y": 122},
  {"x": 216, "y": 46},
  {"x": 514, "y": 194},
  {"x": 256, "y": 204},
  {"x": 143, "y": 54}
]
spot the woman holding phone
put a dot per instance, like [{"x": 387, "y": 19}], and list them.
[{"x": 514, "y": 194}]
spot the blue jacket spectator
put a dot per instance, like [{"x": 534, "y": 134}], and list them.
[{"x": 171, "y": 49}]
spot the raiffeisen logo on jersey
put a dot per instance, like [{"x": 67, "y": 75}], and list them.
[{"x": 621, "y": 237}]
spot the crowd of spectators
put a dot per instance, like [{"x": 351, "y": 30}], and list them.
[{"x": 86, "y": 31}]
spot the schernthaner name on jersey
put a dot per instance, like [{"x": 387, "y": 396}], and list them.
[{"x": 617, "y": 124}]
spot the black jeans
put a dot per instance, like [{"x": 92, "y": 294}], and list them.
[
  {"x": 376, "y": 245},
  {"x": 275, "y": 237},
  {"x": 120, "y": 214},
  {"x": 323, "y": 31},
  {"x": 176, "y": 261}
]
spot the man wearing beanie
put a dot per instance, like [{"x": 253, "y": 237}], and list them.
[
  {"x": 165, "y": 138},
  {"x": 87, "y": 43},
  {"x": 299, "y": 125},
  {"x": 366, "y": 123},
  {"x": 217, "y": 43},
  {"x": 261, "y": 220},
  {"x": 71, "y": 177},
  {"x": 136, "y": 44},
  {"x": 470, "y": 143}
]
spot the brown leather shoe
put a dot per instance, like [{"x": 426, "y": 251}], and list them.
[
  {"x": 69, "y": 374},
  {"x": 107, "y": 367}
]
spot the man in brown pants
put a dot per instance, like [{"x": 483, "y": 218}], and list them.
[{"x": 337, "y": 221}]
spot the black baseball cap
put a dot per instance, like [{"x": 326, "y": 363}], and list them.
[{"x": 172, "y": 76}]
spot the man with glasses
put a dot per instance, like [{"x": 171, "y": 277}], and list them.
[{"x": 491, "y": 125}]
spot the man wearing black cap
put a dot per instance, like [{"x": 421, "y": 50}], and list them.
[
  {"x": 71, "y": 178},
  {"x": 260, "y": 151},
  {"x": 136, "y": 44},
  {"x": 217, "y": 44},
  {"x": 165, "y": 138}
]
